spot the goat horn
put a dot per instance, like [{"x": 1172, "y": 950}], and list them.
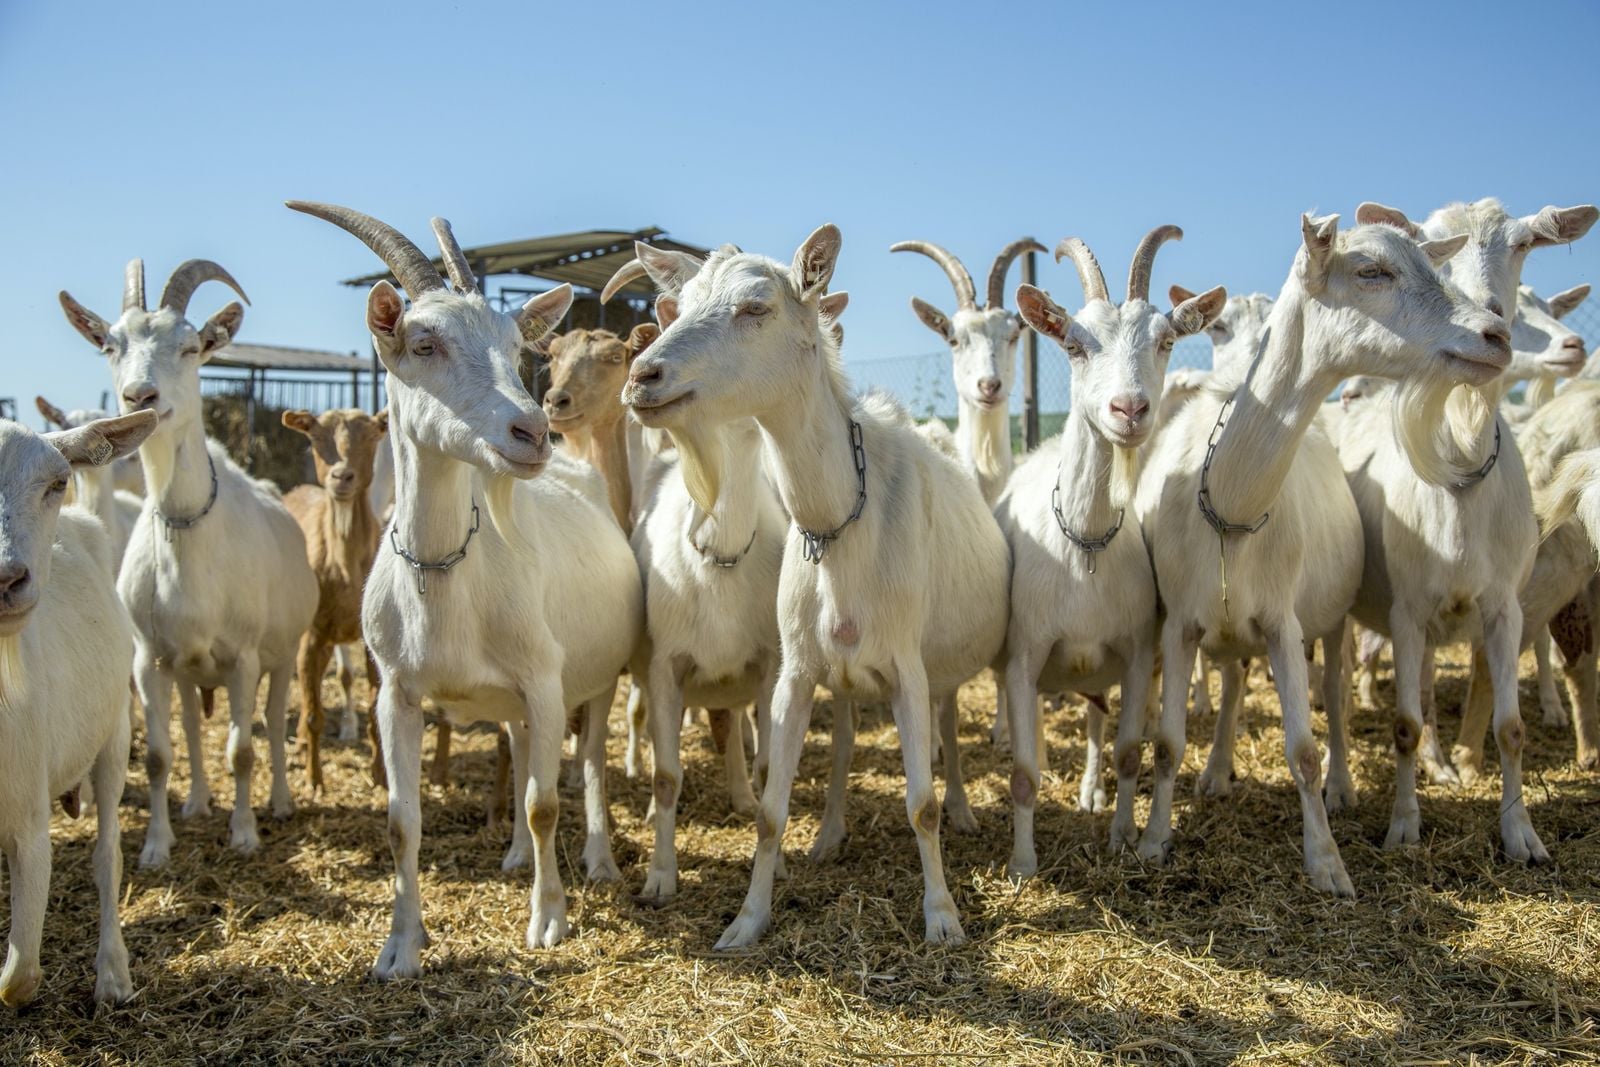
[
  {"x": 190, "y": 275},
  {"x": 1090, "y": 276},
  {"x": 414, "y": 271},
  {"x": 627, "y": 274},
  {"x": 1002, "y": 263},
  {"x": 133, "y": 285},
  {"x": 455, "y": 260},
  {"x": 1144, "y": 258},
  {"x": 966, "y": 295}
]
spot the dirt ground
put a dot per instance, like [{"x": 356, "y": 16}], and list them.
[{"x": 1447, "y": 954}]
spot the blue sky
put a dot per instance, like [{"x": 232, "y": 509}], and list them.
[{"x": 170, "y": 131}]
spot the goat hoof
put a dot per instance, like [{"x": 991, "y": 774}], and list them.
[
  {"x": 744, "y": 806},
  {"x": 1339, "y": 795},
  {"x": 197, "y": 806},
  {"x": 1092, "y": 799},
  {"x": 1214, "y": 783},
  {"x": 1404, "y": 830},
  {"x": 961, "y": 818},
  {"x": 1329, "y": 876},
  {"x": 1588, "y": 761},
  {"x": 548, "y": 928},
  {"x": 519, "y": 855},
  {"x": 1468, "y": 765},
  {"x": 111, "y": 983},
  {"x": 827, "y": 845},
  {"x": 20, "y": 984},
  {"x": 1555, "y": 718},
  {"x": 942, "y": 923},
  {"x": 401, "y": 957},
  {"x": 602, "y": 868},
  {"x": 659, "y": 888},
  {"x": 1022, "y": 865},
  {"x": 1155, "y": 852},
  {"x": 155, "y": 854},
  {"x": 1123, "y": 836},
  {"x": 745, "y": 930},
  {"x": 1522, "y": 844}
]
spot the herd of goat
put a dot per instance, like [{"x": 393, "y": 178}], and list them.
[{"x": 728, "y": 525}]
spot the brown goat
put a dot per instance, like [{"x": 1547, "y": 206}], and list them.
[{"x": 341, "y": 541}]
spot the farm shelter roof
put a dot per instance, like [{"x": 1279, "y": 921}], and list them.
[
  {"x": 587, "y": 259},
  {"x": 285, "y": 358}
]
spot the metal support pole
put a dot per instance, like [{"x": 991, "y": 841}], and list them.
[
  {"x": 377, "y": 369},
  {"x": 249, "y": 417},
  {"x": 355, "y": 389},
  {"x": 1030, "y": 369}
]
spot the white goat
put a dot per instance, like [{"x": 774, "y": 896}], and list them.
[
  {"x": 1083, "y": 593},
  {"x": 535, "y": 613},
  {"x": 215, "y": 576},
  {"x": 893, "y": 581},
  {"x": 66, "y": 648},
  {"x": 1539, "y": 328},
  {"x": 1272, "y": 554},
  {"x": 94, "y": 489},
  {"x": 983, "y": 346},
  {"x": 1446, "y": 510}
]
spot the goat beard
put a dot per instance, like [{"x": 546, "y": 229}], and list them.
[
  {"x": 700, "y": 459},
  {"x": 1124, "y": 475},
  {"x": 1438, "y": 424},
  {"x": 13, "y": 676},
  {"x": 498, "y": 496},
  {"x": 343, "y": 513}
]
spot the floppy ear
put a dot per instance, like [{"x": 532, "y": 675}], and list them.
[
  {"x": 1043, "y": 314},
  {"x": 666, "y": 310},
  {"x": 642, "y": 337},
  {"x": 94, "y": 444},
  {"x": 1195, "y": 313},
  {"x": 1369, "y": 213},
  {"x": 932, "y": 318},
  {"x": 385, "y": 309},
  {"x": 1562, "y": 303},
  {"x": 94, "y": 329},
  {"x": 52, "y": 413},
  {"x": 220, "y": 329},
  {"x": 544, "y": 312},
  {"x": 1561, "y": 225},
  {"x": 1439, "y": 252},
  {"x": 815, "y": 259},
  {"x": 381, "y": 422},
  {"x": 1319, "y": 236},
  {"x": 299, "y": 421}
]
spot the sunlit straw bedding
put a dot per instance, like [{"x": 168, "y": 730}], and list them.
[{"x": 1227, "y": 956}]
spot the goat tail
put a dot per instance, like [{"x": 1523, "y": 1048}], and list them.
[{"x": 1574, "y": 492}]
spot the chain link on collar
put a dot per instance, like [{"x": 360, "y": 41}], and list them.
[
  {"x": 185, "y": 523},
  {"x": 1218, "y": 523},
  {"x": 1488, "y": 465},
  {"x": 1090, "y": 545},
  {"x": 814, "y": 544},
  {"x": 421, "y": 567},
  {"x": 726, "y": 562}
]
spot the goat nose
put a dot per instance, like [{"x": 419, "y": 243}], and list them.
[
  {"x": 527, "y": 430},
  {"x": 139, "y": 396},
  {"x": 13, "y": 579},
  {"x": 1499, "y": 337},
  {"x": 1574, "y": 343},
  {"x": 988, "y": 388},
  {"x": 644, "y": 373},
  {"x": 1130, "y": 406},
  {"x": 558, "y": 401}
]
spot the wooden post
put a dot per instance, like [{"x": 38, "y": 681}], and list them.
[
  {"x": 1030, "y": 369},
  {"x": 249, "y": 417},
  {"x": 377, "y": 369}
]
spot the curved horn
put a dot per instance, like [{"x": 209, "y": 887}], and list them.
[
  {"x": 133, "y": 285},
  {"x": 1144, "y": 258},
  {"x": 627, "y": 274},
  {"x": 190, "y": 275},
  {"x": 966, "y": 295},
  {"x": 455, "y": 260},
  {"x": 1002, "y": 263},
  {"x": 411, "y": 268},
  {"x": 1090, "y": 276}
]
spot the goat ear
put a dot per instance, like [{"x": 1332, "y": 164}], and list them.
[
  {"x": 1439, "y": 252},
  {"x": 299, "y": 421},
  {"x": 1370, "y": 213},
  {"x": 1195, "y": 313},
  {"x": 541, "y": 314},
  {"x": 380, "y": 422},
  {"x": 1178, "y": 294},
  {"x": 220, "y": 329},
  {"x": 94, "y": 329},
  {"x": 55, "y": 414},
  {"x": 94, "y": 444},
  {"x": 669, "y": 270},
  {"x": 932, "y": 318},
  {"x": 815, "y": 259},
  {"x": 385, "y": 309},
  {"x": 833, "y": 304},
  {"x": 1562, "y": 303},
  {"x": 1319, "y": 236},
  {"x": 666, "y": 310},
  {"x": 642, "y": 337},
  {"x": 1043, "y": 314},
  {"x": 1561, "y": 225}
]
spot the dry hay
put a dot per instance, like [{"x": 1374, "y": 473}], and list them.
[{"x": 1446, "y": 955}]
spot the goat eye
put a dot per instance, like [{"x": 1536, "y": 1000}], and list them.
[
  {"x": 56, "y": 487},
  {"x": 753, "y": 310},
  {"x": 422, "y": 348},
  {"x": 1372, "y": 272}
]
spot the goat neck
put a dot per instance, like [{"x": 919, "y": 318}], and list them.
[
  {"x": 1085, "y": 484},
  {"x": 813, "y": 463},
  {"x": 433, "y": 492}
]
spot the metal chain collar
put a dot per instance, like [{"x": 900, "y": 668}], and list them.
[
  {"x": 1488, "y": 465},
  {"x": 726, "y": 562},
  {"x": 815, "y": 544},
  {"x": 1090, "y": 545},
  {"x": 420, "y": 567},
  {"x": 1218, "y": 523},
  {"x": 184, "y": 524}
]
